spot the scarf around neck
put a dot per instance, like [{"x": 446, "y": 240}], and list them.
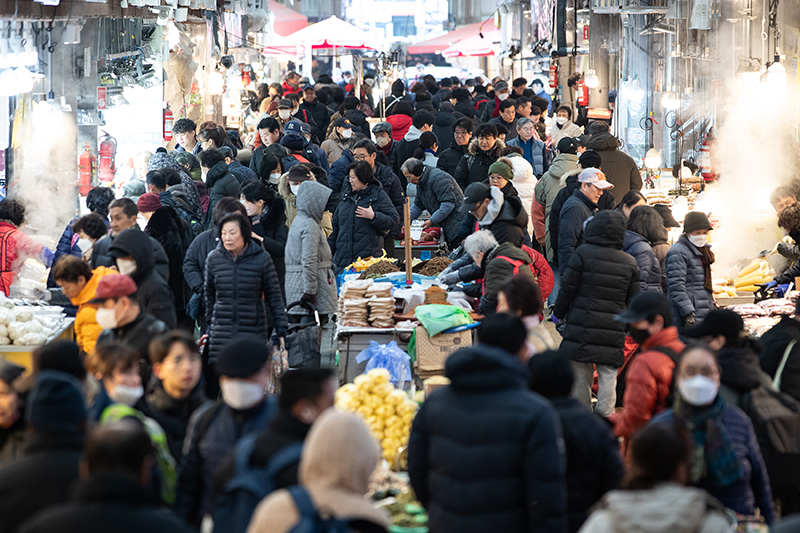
[{"x": 714, "y": 457}]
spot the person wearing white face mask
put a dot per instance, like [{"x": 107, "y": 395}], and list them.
[
  {"x": 121, "y": 317},
  {"x": 689, "y": 272},
  {"x": 563, "y": 125},
  {"x": 337, "y": 142},
  {"x": 116, "y": 368},
  {"x": 284, "y": 111},
  {"x": 214, "y": 430},
  {"x": 727, "y": 461},
  {"x": 267, "y": 212}
]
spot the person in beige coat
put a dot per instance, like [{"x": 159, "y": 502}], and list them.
[{"x": 338, "y": 459}]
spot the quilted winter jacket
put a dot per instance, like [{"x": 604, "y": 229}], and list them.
[
  {"x": 435, "y": 187},
  {"x": 271, "y": 226},
  {"x": 485, "y": 454},
  {"x": 685, "y": 282},
  {"x": 775, "y": 341},
  {"x": 449, "y": 158},
  {"x": 355, "y": 237},
  {"x": 102, "y": 247},
  {"x": 291, "y": 205},
  {"x": 597, "y": 285},
  {"x": 16, "y": 247},
  {"x": 241, "y": 294},
  {"x": 537, "y": 149},
  {"x": 308, "y": 257},
  {"x": 649, "y": 267},
  {"x": 391, "y": 186},
  {"x": 194, "y": 264},
  {"x": 86, "y": 328},
  {"x": 338, "y": 176},
  {"x": 474, "y": 166},
  {"x": 577, "y": 210},
  {"x": 548, "y": 187},
  {"x": 647, "y": 383}
]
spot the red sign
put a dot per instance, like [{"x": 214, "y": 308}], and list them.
[
  {"x": 586, "y": 32},
  {"x": 716, "y": 90},
  {"x": 101, "y": 98}
]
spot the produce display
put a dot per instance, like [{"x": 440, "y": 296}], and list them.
[
  {"x": 428, "y": 237},
  {"x": 756, "y": 273},
  {"x": 435, "y": 266},
  {"x": 387, "y": 411},
  {"x": 379, "y": 270},
  {"x": 360, "y": 265}
]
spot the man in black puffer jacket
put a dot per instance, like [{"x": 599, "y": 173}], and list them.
[
  {"x": 594, "y": 466},
  {"x": 597, "y": 285},
  {"x": 620, "y": 168},
  {"x": 589, "y": 159},
  {"x": 131, "y": 251},
  {"x": 449, "y": 157},
  {"x": 484, "y": 453},
  {"x": 481, "y": 153},
  {"x": 440, "y": 195},
  {"x": 443, "y": 124},
  {"x": 318, "y": 111}
]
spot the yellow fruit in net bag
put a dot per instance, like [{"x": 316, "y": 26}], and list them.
[
  {"x": 394, "y": 422},
  {"x": 393, "y": 432},
  {"x": 396, "y": 397},
  {"x": 383, "y": 390},
  {"x": 379, "y": 436},
  {"x": 363, "y": 383},
  {"x": 347, "y": 388},
  {"x": 385, "y": 411},
  {"x": 353, "y": 405},
  {"x": 391, "y": 444},
  {"x": 375, "y": 423},
  {"x": 365, "y": 411},
  {"x": 373, "y": 402},
  {"x": 379, "y": 375}
]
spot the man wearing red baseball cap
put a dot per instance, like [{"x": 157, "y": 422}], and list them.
[{"x": 120, "y": 316}]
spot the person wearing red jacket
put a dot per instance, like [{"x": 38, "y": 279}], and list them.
[
  {"x": 16, "y": 246},
  {"x": 292, "y": 84},
  {"x": 647, "y": 375}
]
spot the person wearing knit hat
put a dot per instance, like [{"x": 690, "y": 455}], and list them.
[
  {"x": 148, "y": 204},
  {"x": 12, "y": 423},
  {"x": 688, "y": 268},
  {"x": 500, "y": 176}
]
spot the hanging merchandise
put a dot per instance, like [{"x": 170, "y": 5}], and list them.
[
  {"x": 108, "y": 151},
  {"x": 87, "y": 166},
  {"x": 553, "y": 73},
  {"x": 168, "y": 120}
]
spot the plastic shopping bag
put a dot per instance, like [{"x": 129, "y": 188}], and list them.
[
  {"x": 390, "y": 357},
  {"x": 438, "y": 317}
]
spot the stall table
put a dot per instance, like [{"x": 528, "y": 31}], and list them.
[
  {"x": 351, "y": 341},
  {"x": 23, "y": 355}
]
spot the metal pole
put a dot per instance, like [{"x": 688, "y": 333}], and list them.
[{"x": 407, "y": 225}]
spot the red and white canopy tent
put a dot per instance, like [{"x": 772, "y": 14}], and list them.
[
  {"x": 285, "y": 20},
  {"x": 332, "y": 32},
  {"x": 487, "y": 43}
]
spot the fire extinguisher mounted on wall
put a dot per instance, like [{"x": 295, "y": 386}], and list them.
[
  {"x": 168, "y": 121},
  {"x": 108, "y": 151},
  {"x": 583, "y": 92},
  {"x": 87, "y": 167},
  {"x": 553, "y": 73}
]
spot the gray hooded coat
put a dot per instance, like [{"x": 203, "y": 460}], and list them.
[{"x": 308, "y": 257}]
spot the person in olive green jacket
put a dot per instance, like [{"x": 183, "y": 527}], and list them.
[{"x": 550, "y": 183}]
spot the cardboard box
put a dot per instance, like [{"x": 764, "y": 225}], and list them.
[{"x": 432, "y": 352}]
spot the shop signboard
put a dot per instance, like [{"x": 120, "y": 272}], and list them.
[{"x": 101, "y": 98}]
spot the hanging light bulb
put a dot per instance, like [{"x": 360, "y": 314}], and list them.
[
  {"x": 776, "y": 78},
  {"x": 652, "y": 159},
  {"x": 591, "y": 80},
  {"x": 669, "y": 100}
]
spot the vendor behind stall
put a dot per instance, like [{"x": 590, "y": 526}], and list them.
[
  {"x": 16, "y": 246},
  {"x": 439, "y": 194}
]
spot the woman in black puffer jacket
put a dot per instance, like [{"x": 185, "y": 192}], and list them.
[
  {"x": 645, "y": 226},
  {"x": 240, "y": 281},
  {"x": 362, "y": 219},
  {"x": 597, "y": 285}
]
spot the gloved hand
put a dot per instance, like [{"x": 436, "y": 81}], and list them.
[
  {"x": 782, "y": 290},
  {"x": 276, "y": 339},
  {"x": 310, "y": 298},
  {"x": 771, "y": 284},
  {"x": 689, "y": 320},
  {"x": 446, "y": 271},
  {"x": 450, "y": 279},
  {"x": 556, "y": 320},
  {"x": 46, "y": 256}
]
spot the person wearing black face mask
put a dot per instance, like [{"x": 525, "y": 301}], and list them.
[{"x": 646, "y": 377}]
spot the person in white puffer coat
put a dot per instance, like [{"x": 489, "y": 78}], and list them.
[
  {"x": 524, "y": 182},
  {"x": 563, "y": 125}
]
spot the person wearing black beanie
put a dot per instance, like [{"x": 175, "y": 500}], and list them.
[
  {"x": 688, "y": 267},
  {"x": 12, "y": 405}
]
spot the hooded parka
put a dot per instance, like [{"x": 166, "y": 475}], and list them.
[
  {"x": 597, "y": 285},
  {"x": 474, "y": 166}
]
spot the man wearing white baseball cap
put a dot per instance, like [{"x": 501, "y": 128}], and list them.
[{"x": 581, "y": 206}]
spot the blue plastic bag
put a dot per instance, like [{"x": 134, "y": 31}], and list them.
[{"x": 390, "y": 357}]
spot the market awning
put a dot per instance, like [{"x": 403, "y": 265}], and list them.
[
  {"x": 438, "y": 44},
  {"x": 286, "y": 20},
  {"x": 332, "y": 32},
  {"x": 475, "y": 45},
  {"x": 281, "y": 46}
]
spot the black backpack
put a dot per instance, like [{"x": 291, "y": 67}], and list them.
[{"x": 669, "y": 352}]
